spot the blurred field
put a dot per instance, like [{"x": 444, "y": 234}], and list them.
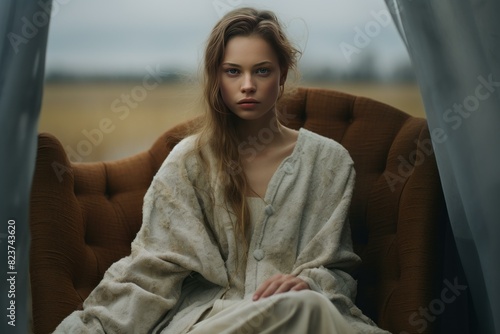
[{"x": 73, "y": 112}]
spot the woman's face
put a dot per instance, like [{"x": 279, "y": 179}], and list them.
[{"x": 250, "y": 77}]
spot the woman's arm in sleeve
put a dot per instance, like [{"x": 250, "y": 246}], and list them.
[
  {"x": 325, "y": 262},
  {"x": 138, "y": 290}
]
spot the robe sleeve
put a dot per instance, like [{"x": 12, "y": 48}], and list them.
[
  {"x": 174, "y": 241},
  {"x": 328, "y": 257}
]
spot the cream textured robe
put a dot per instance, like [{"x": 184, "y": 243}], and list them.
[{"x": 186, "y": 256}]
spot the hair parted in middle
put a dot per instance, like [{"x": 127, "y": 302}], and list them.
[{"x": 218, "y": 126}]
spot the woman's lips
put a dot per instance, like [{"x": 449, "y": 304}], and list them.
[{"x": 247, "y": 103}]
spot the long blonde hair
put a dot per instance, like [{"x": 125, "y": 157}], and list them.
[{"x": 218, "y": 126}]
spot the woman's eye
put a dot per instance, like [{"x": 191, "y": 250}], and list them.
[
  {"x": 263, "y": 71},
  {"x": 232, "y": 71}
]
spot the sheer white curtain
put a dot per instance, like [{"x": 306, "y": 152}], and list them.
[
  {"x": 455, "y": 51},
  {"x": 23, "y": 26}
]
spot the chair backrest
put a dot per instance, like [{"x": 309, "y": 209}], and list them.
[
  {"x": 397, "y": 202},
  {"x": 84, "y": 216}
]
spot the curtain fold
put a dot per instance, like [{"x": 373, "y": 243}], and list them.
[
  {"x": 23, "y": 25},
  {"x": 455, "y": 51}
]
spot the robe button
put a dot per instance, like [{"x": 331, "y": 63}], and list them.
[
  {"x": 288, "y": 168},
  {"x": 258, "y": 254},
  {"x": 269, "y": 210}
]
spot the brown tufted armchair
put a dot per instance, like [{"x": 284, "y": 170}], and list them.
[{"x": 85, "y": 215}]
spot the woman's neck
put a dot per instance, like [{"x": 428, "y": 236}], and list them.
[{"x": 263, "y": 131}]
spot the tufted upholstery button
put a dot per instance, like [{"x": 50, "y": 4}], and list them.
[
  {"x": 269, "y": 210},
  {"x": 258, "y": 254}
]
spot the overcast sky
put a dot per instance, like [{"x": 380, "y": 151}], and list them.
[{"x": 126, "y": 35}]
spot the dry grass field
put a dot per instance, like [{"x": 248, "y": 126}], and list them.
[{"x": 108, "y": 121}]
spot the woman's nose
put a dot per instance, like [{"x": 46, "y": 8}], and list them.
[{"x": 248, "y": 84}]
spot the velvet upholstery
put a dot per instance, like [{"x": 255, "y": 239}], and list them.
[{"x": 85, "y": 215}]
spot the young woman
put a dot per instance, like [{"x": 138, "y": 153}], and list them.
[{"x": 245, "y": 224}]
